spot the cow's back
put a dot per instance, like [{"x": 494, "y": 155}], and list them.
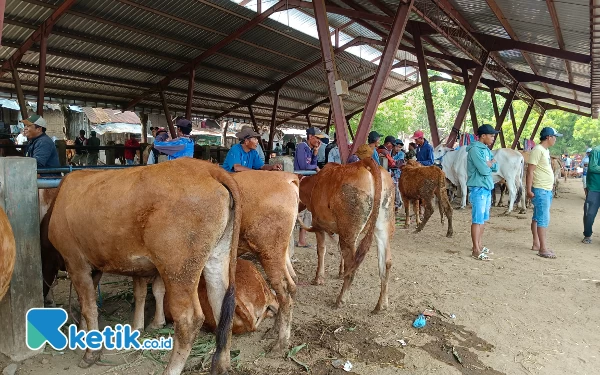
[
  {"x": 7, "y": 253},
  {"x": 150, "y": 213}
]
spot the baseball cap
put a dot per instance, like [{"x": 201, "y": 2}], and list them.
[
  {"x": 36, "y": 120},
  {"x": 589, "y": 150},
  {"x": 373, "y": 136},
  {"x": 390, "y": 138},
  {"x": 549, "y": 132},
  {"x": 314, "y": 131},
  {"x": 399, "y": 142},
  {"x": 418, "y": 134},
  {"x": 486, "y": 129},
  {"x": 183, "y": 123},
  {"x": 246, "y": 133},
  {"x": 160, "y": 130}
]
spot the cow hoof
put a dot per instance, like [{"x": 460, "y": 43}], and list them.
[
  {"x": 449, "y": 234},
  {"x": 89, "y": 358},
  {"x": 406, "y": 226},
  {"x": 522, "y": 212},
  {"x": 459, "y": 208},
  {"x": 506, "y": 213},
  {"x": 339, "y": 304},
  {"x": 154, "y": 326},
  {"x": 318, "y": 281},
  {"x": 277, "y": 350}
]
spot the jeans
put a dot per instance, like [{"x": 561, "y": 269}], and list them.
[
  {"x": 481, "y": 202},
  {"x": 129, "y": 162},
  {"x": 542, "y": 200},
  {"x": 590, "y": 209}
]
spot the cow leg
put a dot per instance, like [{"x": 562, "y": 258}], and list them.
[
  {"x": 288, "y": 259},
  {"x": 158, "y": 290},
  {"x": 96, "y": 276},
  {"x": 348, "y": 251},
  {"x": 383, "y": 231},
  {"x": 439, "y": 202},
  {"x": 428, "y": 213},
  {"x": 321, "y": 250},
  {"x": 463, "y": 194},
  {"x": 342, "y": 268},
  {"x": 445, "y": 205},
  {"x": 83, "y": 283},
  {"x": 406, "y": 204},
  {"x": 512, "y": 195},
  {"x": 140, "y": 290},
  {"x": 417, "y": 210}
]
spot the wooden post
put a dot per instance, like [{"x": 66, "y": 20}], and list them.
[
  {"x": 19, "y": 199},
  {"x": 61, "y": 148},
  {"x": 144, "y": 119}
]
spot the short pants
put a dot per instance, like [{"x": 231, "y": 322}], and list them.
[
  {"x": 542, "y": 199},
  {"x": 481, "y": 202}
]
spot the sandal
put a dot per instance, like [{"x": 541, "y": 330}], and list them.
[
  {"x": 485, "y": 250},
  {"x": 549, "y": 255},
  {"x": 587, "y": 240},
  {"x": 482, "y": 256}
]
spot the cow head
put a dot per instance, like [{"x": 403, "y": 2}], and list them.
[{"x": 439, "y": 152}]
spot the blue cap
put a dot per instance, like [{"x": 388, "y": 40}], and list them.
[{"x": 549, "y": 132}]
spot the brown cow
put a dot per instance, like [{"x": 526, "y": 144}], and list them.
[
  {"x": 8, "y": 252},
  {"x": 349, "y": 200},
  {"x": 198, "y": 202},
  {"x": 9, "y": 150},
  {"x": 254, "y": 301},
  {"x": 423, "y": 183},
  {"x": 269, "y": 204}
]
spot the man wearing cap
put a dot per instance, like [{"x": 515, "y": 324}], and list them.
[
  {"x": 584, "y": 163},
  {"x": 80, "y": 154},
  {"x": 540, "y": 180},
  {"x": 93, "y": 141},
  {"x": 480, "y": 165},
  {"x": 592, "y": 199},
  {"x": 41, "y": 146},
  {"x": 307, "y": 152},
  {"x": 244, "y": 157},
  {"x": 180, "y": 147},
  {"x": 373, "y": 141},
  {"x": 424, "y": 150}
]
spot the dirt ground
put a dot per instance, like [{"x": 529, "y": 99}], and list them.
[{"x": 516, "y": 314}]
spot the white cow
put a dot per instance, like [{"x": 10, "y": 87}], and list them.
[{"x": 510, "y": 168}]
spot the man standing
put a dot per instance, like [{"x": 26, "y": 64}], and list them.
[
  {"x": 568, "y": 162},
  {"x": 92, "y": 158},
  {"x": 130, "y": 149},
  {"x": 373, "y": 141},
  {"x": 244, "y": 156},
  {"x": 424, "y": 150},
  {"x": 41, "y": 146},
  {"x": 80, "y": 154},
  {"x": 480, "y": 165},
  {"x": 306, "y": 160},
  {"x": 592, "y": 199},
  {"x": 584, "y": 163},
  {"x": 180, "y": 147},
  {"x": 540, "y": 180},
  {"x": 332, "y": 152}
]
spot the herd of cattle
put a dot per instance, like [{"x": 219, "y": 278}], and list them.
[{"x": 187, "y": 221}]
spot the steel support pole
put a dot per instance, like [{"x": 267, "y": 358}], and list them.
[
  {"x": 523, "y": 122},
  {"x": 259, "y": 6},
  {"x": 465, "y": 104},
  {"x": 190, "y": 95},
  {"x": 273, "y": 121},
  {"x": 537, "y": 125},
  {"x": 513, "y": 119},
  {"x": 252, "y": 118},
  {"x": 332, "y": 76},
  {"x": 433, "y": 128},
  {"x": 465, "y": 72},
  {"x": 500, "y": 119},
  {"x": 42, "y": 74},
  {"x": 2, "y": 7},
  {"x": 496, "y": 116},
  {"x": 20, "y": 95},
  {"x": 167, "y": 114},
  {"x": 383, "y": 71}
]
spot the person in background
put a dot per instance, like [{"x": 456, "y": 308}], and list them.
[
  {"x": 93, "y": 141},
  {"x": 80, "y": 154},
  {"x": 568, "y": 162},
  {"x": 180, "y": 147},
  {"x": 592, "y": 199},
  {"x": 290, "y": 146},
  {"x": 540, "y": 180},
  {"x": 278, "y": 150},
  {"x": 244, "y": 156},
  {"x": 41, "y": 147},
  {"x": 424, "y": 149},
  {"x": 584, "y": 164},
  {"x": 398, "y": 156},
  {"x": 412, "y": 151},
  {"x": 398, "y": 152},
  {"x": 21, "y": 138},
  {"x": 130, "y": 149},
  {"x": 332, "y": 152},
  {"x": 321, "y": 154},
  {"x": 373, "y": 142}
]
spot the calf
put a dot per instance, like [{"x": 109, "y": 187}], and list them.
[
  {"x": 198, "y": 202},
  {"x": 8, "y": 252},
  {"x": 349, "y": 200},
  {"x": 254, "y": 301},
  {"x": 556, "y": 168},
  {"x": 423, "y": 183}
]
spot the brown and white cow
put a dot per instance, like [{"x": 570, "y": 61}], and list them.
[
  {"x": 254, "y": 301},
  {"x": 177, "y": 220},
  {"x": 349, "y": 200},
  {"x": 8, "y": 253}
]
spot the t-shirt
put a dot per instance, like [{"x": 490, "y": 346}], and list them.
[
  {"x": 543, "y": 177},
  {"x": 237, "y": 155}
]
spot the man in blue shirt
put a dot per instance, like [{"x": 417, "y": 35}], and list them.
[
  {"x": 307, "y": 152},
  {"x": 41, "y": 147},
  {"x": 180, "y": 147},
  {"x": 244, "y": 157},
  {"x": 424, "y": 149},
  {"x": 373, "y": 141}
]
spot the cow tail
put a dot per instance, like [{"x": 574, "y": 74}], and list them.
[
  {"x": 520, "y": 184},
  {"x": 224, "y": 327},
  {"x": 366, "y": 241}
]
